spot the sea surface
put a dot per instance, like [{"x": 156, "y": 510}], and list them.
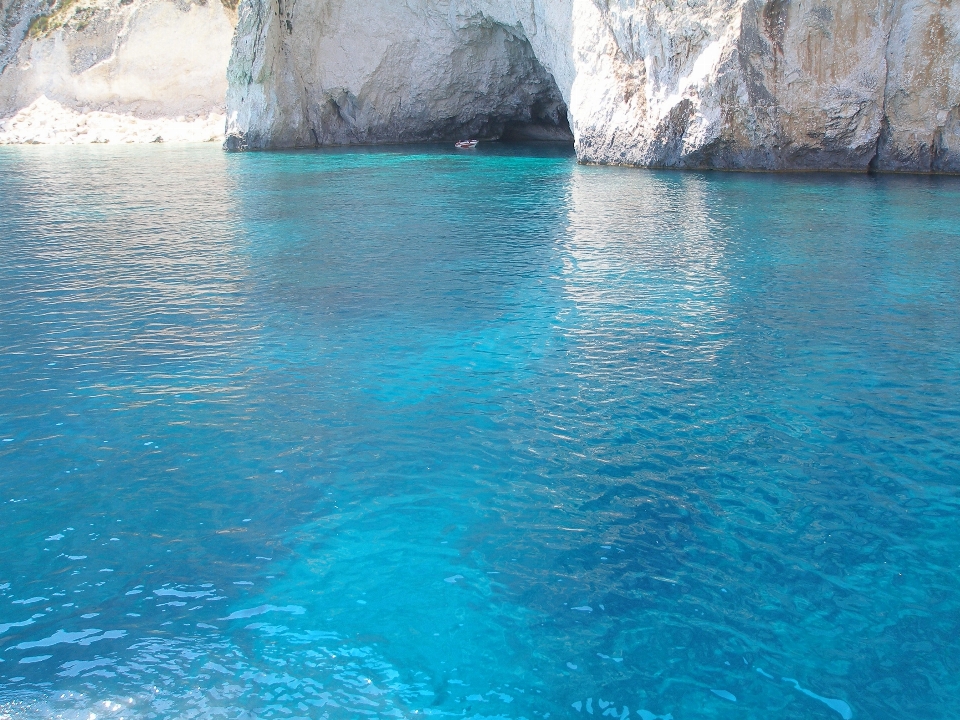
[{"x": 412, "y": 432}]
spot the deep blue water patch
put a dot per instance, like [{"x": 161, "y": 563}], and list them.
[{"x": 412, "y": 432}]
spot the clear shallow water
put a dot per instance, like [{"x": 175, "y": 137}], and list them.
[{"x": 405, "y": 433}]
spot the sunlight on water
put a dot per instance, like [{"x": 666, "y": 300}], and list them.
[{"x": 405, "y": 432}]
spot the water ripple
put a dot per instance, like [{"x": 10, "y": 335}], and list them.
[{"x": 403, "y": 432}]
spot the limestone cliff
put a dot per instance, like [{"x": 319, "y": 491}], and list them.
[
  {"x": 765, "y": 84},
  {"x": 113, "y": 70},
  {"x": 338, "y": 71}
]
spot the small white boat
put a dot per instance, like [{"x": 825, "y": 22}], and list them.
[{"x": 467, "y": 144}]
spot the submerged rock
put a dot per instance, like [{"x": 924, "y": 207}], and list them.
[{"x": 775, "y": 84}]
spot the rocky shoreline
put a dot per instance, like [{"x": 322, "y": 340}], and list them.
[{"x": 858, "y": 85}]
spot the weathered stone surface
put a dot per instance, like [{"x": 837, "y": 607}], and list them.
[
  {"x": 763, "y": 84},
  {"x": 306, "y": 73},
  {"x": 15, "y": 17},
  {"x": 118, "y": 71},
  {"x": 921, "y": 125},
  {"x": 836, "y": 84}
]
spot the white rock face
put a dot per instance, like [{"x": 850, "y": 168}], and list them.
[
  {"x": 119, "y": 71},
  {"x": 765, "y": 84}
]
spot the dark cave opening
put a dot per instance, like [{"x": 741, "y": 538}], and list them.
[{"x": 519, "y": 101}]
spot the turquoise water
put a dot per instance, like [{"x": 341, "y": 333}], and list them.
[{"x": 374, "y": 434}]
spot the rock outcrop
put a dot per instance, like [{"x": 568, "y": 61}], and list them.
[
  {"x": 754, "y": 84},
  {"x": 760, "y": 84},
  {"x": 114, "y": 70},
  {"x": 337, "y": 72}
]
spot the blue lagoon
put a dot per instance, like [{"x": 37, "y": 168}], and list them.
[{"x": 403, "y": 433}]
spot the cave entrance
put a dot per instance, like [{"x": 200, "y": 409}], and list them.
[
  {"x": 478, "y": 80},
  {"x": 505, "y": 93}
]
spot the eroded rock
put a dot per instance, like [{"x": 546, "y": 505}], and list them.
[
  {"x": 345, "y": 72},
  {"x": 775, "y": 84}
]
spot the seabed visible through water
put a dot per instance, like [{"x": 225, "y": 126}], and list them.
[{"x": 412, "y": 432}]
